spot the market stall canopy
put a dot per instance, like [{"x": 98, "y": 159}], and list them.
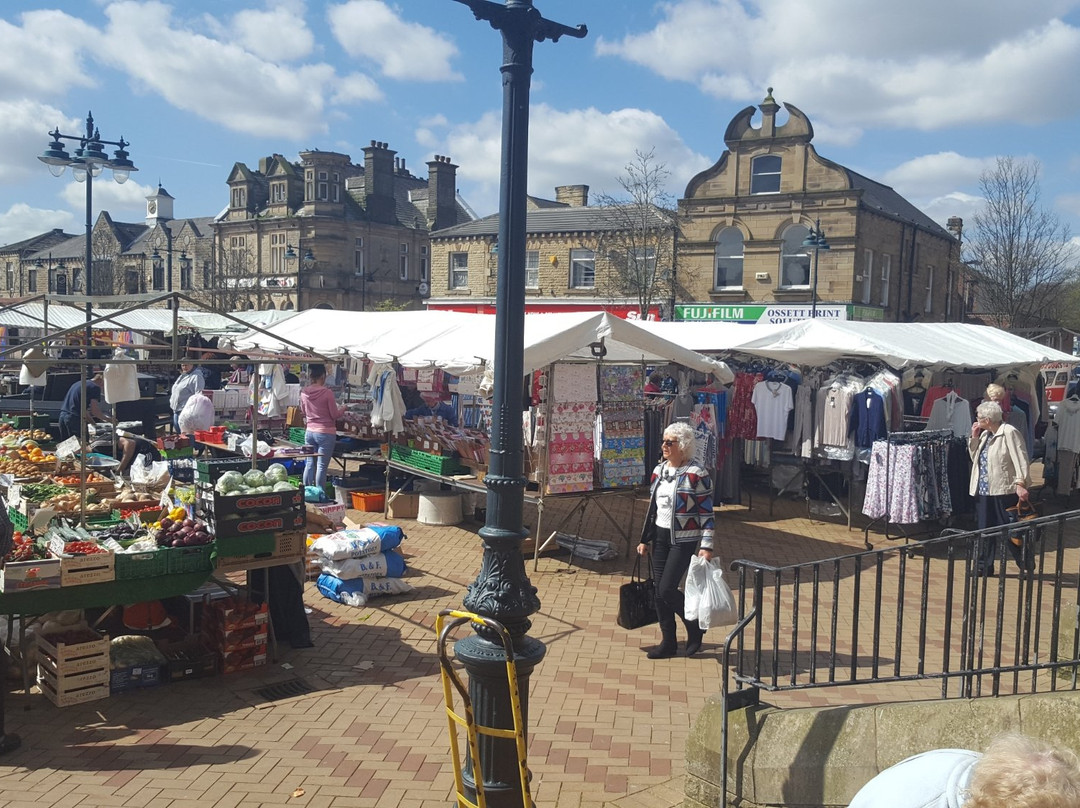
[
  {"x": 62, "y": 316},
  {"x": 934, "y": 346},
  {"x": 462, "y": 343}
]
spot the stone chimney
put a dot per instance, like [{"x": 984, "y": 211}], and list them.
[
  {"x": 442, "y": 193},
  {"x": 379, "y": 182},
  {"x": 576, "y": 196}
]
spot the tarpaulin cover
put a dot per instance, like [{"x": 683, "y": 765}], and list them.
[
  {"x": 463, "y": 343},
  {"x": 899, "y": 345}
]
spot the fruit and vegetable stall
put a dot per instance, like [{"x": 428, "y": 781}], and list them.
[{"x": 118, "y": 546}]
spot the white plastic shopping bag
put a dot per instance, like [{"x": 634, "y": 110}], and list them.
[
  {"x": 694, "y": 588},
  {"x": 717, "y": 605}
]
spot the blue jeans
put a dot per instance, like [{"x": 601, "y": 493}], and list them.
[{"x": 315, "y": 467}]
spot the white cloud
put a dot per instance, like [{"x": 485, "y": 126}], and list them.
[
  {"x": 125, "y": 202},
  {"x": 278, "y": 34},
  {"x": 933, "y": 175},
  {"x": 219, "y": 81},
  {"x": 24, "y": 128},
  {"x": 21, "y": 221},
  {"x": 1069, "y": 203},
  {"x": 372, "y": 29},
  {"x": 868, "y": 66},
  {"x": 957, "y": 203},
  {"x": 356, "y": 87},
  {"x": 602, "y": 145},
  {"x": 44, "y": 57}
]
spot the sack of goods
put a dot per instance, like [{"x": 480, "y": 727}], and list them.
[
  {"x": 358, "y": 543},
  {"x": 361, "y": 563}
]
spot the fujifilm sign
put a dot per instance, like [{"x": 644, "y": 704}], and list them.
[{"x": 759, "y": 314}]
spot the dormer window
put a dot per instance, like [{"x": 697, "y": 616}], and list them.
[
  {"x": 279, "y": 193},
  {"x": 239, "y": 197},
  {"x": 765, "y": 174}
]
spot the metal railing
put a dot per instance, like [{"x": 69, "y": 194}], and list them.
[{"x": 913, "y": 613}]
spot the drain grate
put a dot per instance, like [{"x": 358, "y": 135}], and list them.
[{"x": 290, "y": 688}]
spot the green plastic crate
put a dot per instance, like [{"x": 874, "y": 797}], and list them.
[
  {"x": 423, "y": 460},
  {"x": 190, "y": 559},
  {"x": 253, "y": 544},
  {"x": 297, "y": 434},
  {"x": 19, "y": 521},
  {"x": 147, "y": 564}
]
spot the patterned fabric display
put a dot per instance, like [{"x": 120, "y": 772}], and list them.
[
  {"x": 623, "y": 450},
  {"x": 621, "y": 383},
  {"x": 574, "y": 383},
  {"x": 570, "y": 453}
]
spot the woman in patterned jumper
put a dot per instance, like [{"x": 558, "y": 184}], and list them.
[{"x": 679, "y": 525}]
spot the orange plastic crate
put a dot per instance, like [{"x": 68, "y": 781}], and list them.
[{"x": 368, "y": 500}]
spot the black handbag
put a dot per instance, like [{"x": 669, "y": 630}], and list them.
[{"x": 637, "y": 599}]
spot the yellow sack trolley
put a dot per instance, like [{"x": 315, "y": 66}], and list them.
[{"x": 445, "y": 623}]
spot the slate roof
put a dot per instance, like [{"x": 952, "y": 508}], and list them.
[
  {"x": 578, "y": 219},
  {"x": 42, "y": 241},
  {"x": 882, "y": 198}
]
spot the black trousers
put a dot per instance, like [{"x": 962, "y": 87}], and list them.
[
  {"x": 990, "y": 512},
  {"x": 69, "y": 425},
  {"x": 670, "y": 563}
]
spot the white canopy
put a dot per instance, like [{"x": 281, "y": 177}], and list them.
[
  {"x": 63, "y": 316},
  {"x": 899, "y": 345},
  {"x": 462, "y": 343}
]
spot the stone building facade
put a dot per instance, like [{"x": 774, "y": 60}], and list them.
[
  {"x": 568, "y": 260},
  {"x": 326, "y": 233},
  {"x": 744, "y": 221}
]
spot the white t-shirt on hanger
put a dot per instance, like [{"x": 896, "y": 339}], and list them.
[{"x": 773, "y": 401}]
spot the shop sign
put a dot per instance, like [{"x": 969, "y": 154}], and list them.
[
  {"x": 778, "y": 313},
  {"x": 868, "y": 313}
]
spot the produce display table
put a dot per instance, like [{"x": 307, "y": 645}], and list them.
[{"x": 108, "y": 593}]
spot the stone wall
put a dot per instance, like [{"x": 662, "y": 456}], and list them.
[{"x": 820, "y": 757}]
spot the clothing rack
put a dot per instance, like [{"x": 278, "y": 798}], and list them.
[{"x": 925, "y": 437}]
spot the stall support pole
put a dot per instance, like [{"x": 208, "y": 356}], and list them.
[
  {"x": 502, "y": 590},
  {"x": 83, "y": 443},
  {"x": 542, "y": 470},
  {"x": 255, "y": 417}
]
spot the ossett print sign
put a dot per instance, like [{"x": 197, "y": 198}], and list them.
[{"x": 759, "y": 314}]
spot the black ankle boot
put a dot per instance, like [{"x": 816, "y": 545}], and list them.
[
  {"x": 694, "y": 636},
  {"x": 664, "y": 650}
]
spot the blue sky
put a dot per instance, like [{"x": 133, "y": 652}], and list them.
[{"x": 921, "y": 95}]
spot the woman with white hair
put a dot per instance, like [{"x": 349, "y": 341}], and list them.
[
  {"x": 999, "y": 477},
  {"x": 679, "y": 525}
]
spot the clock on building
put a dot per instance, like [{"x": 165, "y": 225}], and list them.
[{"x": 151, "y": 207}]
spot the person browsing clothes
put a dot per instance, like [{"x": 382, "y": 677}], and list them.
[
  {"x": 999, "y": 477},
  {"x": 433, "y": 405},
  {"x": 678, "y": 526},
  {"x": 190, "y": 382},
  {"x": 321, "y": 414}
]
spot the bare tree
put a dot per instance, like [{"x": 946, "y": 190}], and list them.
[
  {"x": 638, "y": 240},
  {"x": 1020, "y": 252},
  {"x": 235, "y": 277}
]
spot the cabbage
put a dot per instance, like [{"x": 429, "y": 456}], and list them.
[
  {"x": 263, "y": 489},
  {"x": 285, "y": 486},
  {"x": 254, "y": 478},
  {"x": 276, "y": 473},
  {"x": 229, "y": 482}
]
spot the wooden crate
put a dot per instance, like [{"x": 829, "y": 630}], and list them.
[
  {"x": 88, "y": 569},
  {"x": 80, "y": 696},
  {"x": 68, "y": 682},
  {"x": 68, "y": 658}
]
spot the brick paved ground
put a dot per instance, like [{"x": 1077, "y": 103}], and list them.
[{"x": 608, "y": 727}]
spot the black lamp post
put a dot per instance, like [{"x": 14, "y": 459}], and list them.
[
  {"x": 309, "y": 261},
  {"x": 502, "y": 589},
  {"x": 816, "y": 241},
  {"x": 87, "y": 163}
]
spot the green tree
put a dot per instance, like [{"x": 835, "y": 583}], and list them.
[
  {"x": 639, "y": 235},
  {"x": 1019, "y": 251}
]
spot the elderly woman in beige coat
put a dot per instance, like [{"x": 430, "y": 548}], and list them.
[{"x": 999, "y": 477}]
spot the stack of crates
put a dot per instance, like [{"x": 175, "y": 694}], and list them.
[
  {"x": 73, "y": 672},
  {"x": 237, "y": 630}
]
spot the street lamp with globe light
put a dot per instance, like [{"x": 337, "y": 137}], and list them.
[
  {"x": 816, "y": 241},
  {"x": 88, "y": 161}
]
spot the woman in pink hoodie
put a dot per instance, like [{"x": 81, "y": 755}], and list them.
[{"x": 321, "y": 413}]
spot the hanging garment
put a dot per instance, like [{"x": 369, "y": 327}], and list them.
[
  {"x": 802, "y": 435},
  {"x": 951, "y": 412},
  {"x": 742, "y": 417},
  {"x": 772, "y": 402},
  {"x": 867, "y": 421},
  {"x": 388, "y": 407},
  {"x": 833, "y": 418}
]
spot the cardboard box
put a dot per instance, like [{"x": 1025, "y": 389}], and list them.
[
  {"x": 135, "y": 677},
  {"x": 232, "y": 399},
  {"x": 294, "y": 417},
  {"x": 20, "y": 576},
  {"x": 404, "y": 506}
]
